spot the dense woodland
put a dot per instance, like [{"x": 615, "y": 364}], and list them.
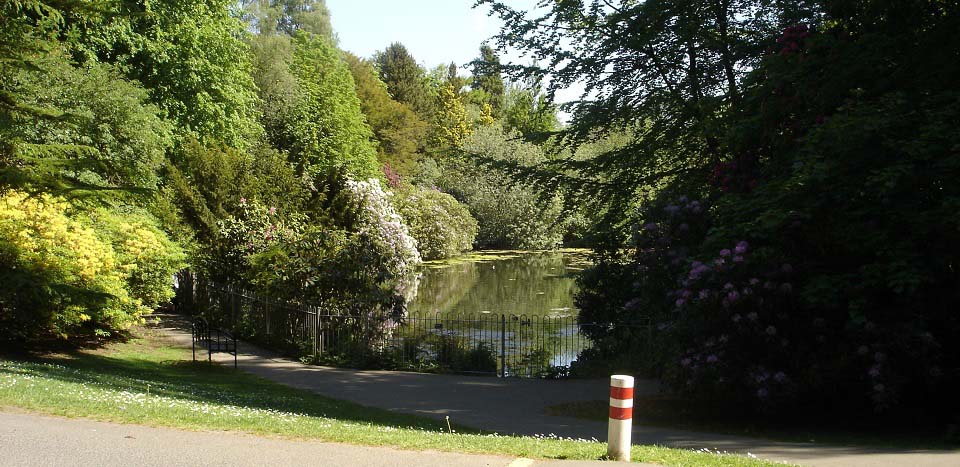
[{"x": 769, "y": 185}]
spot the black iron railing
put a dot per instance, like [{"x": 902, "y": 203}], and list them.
[{"x": 482, "y": 343}]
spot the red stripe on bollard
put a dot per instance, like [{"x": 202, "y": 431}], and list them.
[
  {"x": 621, "y": 393},
  {"x": 621, "y": 413}
]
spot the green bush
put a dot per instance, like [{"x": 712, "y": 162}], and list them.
[
  {"x": 441, "y": 225},
  {"x": 510, "y": 214},
  {"x": 66, "y": 272}
]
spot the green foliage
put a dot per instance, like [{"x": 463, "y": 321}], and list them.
[
  {"x": 189, "y": 54},
  {"x": 510, "y": 214},
  {"x": 288, "y": 16},
  {"x": 451, "y": 128},
  {"x": 206, "y": 183},
  {"x": 823, "y": 274},
  {"x": 405, "y": 79},
  {"x": 327, "y": 128},
  {"x": 355, "y": 269},
  {"x": 442, "y": 226},
  {"x": 108, "y": 114},
  {"x": 62, "y": 277},
  {"x": 486, "y": 78},
  {"x": 397, "y": 127},
  {"x": 528, "y": 111}
]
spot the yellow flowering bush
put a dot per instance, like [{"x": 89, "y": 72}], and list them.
[{"x": 61, "y": 273}]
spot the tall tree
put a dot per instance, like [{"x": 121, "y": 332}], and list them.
[
  {"x": 670, "y": 70},
  {"x": 288, "y": 16},
  {"x": 487, "y": 78},
  {"x": 405, "y": 79},
  {"x": 189, "y": 54},
  {"x": 327, "y": 127},
  {"x": 397, "y": 127}
]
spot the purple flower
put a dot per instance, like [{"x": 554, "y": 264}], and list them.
[
  {"x": 685, "y": 362},
  {"x": 725, "y": 252},
  {"x": 771, "y": 330},
  {"x": 779, "y": 377},
  {"x": 686, "y": 294},
  {"x": 650, "y": 226},
  {"x": 680, "y": 302},
  {"x": 711, "y": 358},
  {"x": 874, "y": 371},
  {"x": 704, "y": 294},
  {"x": 733, "y": 296},
  {"x": 741, "y": 247},
  {"x": 738, "y": 259},
  {"x": 272, "y": 210},
  {"x": 728, "y": 286},
  {"x": 752, "y": 316},
  {"x": 754, "y": 281},
  {"x": 747, "y": 291}
]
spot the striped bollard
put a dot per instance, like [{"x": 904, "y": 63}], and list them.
[{"x": 621, "y": 418}]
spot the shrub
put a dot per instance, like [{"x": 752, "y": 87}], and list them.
[
  {"x": 60, "y": 276},
  {"x": 509, "y": 214},
  {"x": 441, "y": 225}
]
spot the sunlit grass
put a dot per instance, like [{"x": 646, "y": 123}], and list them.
[{"x": 146, "y": 381}]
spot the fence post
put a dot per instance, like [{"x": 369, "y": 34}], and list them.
[
  {"x": 620, "y": 421},
  {"x": 503, "y": 345},
  {"x": 316, "y": 334}
]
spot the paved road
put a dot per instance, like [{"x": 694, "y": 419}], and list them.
[
  {"x": 515, "y": 406},
  {"x": 39, "y": 441}
]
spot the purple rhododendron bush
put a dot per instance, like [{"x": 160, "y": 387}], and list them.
[{"x": 817, "y": 266}]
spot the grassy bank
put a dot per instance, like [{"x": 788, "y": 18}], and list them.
[{"x": 148, "y": 381}]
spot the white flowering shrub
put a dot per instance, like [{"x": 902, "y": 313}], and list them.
[{"x": 383, "y": 225}]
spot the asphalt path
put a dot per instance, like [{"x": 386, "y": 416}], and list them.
[
  {"x": 518, "y": 406},
  {"x": 40, "y": 441}
]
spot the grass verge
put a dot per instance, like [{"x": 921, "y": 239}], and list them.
[{"x": 149, "y": 381}]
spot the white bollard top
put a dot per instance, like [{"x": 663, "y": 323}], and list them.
[{"x": 621, "y": 381}]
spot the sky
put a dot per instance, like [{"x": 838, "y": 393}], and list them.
[{"x": 434, "y": 31}]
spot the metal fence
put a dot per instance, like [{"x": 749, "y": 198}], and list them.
[{"x": 482, "y": 343}]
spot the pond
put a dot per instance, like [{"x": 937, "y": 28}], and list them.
[
  {"x": 511, "y": 311},
  {"x": 501, "y": 282}
]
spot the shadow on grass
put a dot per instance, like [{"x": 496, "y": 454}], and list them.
[{"x": 200, "y": 382}]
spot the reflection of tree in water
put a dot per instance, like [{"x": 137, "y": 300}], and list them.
[
  {"x": 441, "y": 289},
  {"x": 532, "y": 283}
]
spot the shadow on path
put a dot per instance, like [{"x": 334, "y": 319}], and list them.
[{"x": 517, "y": 406}]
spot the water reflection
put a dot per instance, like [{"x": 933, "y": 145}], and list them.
[{"x": 531, "y": 283}]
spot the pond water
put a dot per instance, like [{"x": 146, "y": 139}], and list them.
[{"x": 501, "y": 282}]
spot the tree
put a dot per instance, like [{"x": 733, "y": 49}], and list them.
[
  {"x": 405, "y": 79},
  {"x": 669, "y": 70},
  {"x": 189, "y": 54},
  {"x": 486, "y": 77},
  {"x": 397, "y": 127},
  {"x": 289, "y": 16},
  {"x": 327, "y": 126},
  {"x": 511, "y": 214},
  {"x": 451, "y": 126},
  {"x": 527, "y": 110}
]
